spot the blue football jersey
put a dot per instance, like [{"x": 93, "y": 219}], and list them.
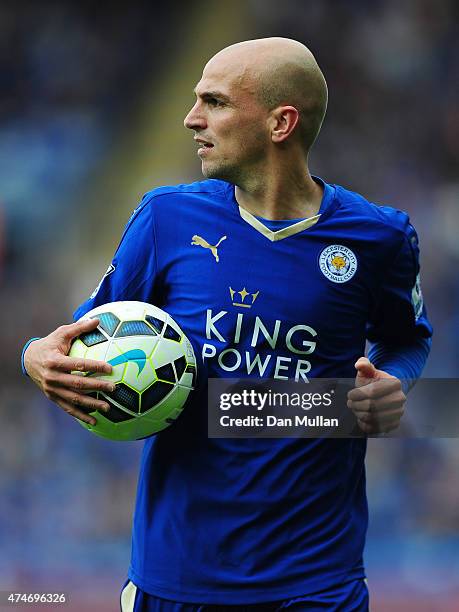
[{"x": 252, "y": 520}]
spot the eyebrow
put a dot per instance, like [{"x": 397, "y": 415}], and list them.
[{"x": 212, "y": 94}]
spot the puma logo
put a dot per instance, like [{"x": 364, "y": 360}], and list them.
[{"x": 197, "y": 240}]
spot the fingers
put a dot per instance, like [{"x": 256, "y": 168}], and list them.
[
  {"x": 374, "y": 428},
  {"x": 79, "y": 400},
  {"x": 379, "y": 412},
  {"x": 78, "y": 414},
  {"x": 82, "y": 383},
  {"x": 377, "y": 404},
  {"x": 388, "y": 403},
  {"x": 69, "y": 364},
  {"x": 380, "y": 418},
  {"x": 378, "y": 388},
  {"x": 69, "y": 391}
]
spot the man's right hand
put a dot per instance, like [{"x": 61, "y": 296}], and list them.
[{"x": 48, "y": 365}]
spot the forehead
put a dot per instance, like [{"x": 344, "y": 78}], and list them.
[{"x": 228, "y": 74}]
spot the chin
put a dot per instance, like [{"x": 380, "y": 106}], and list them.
[{"x": 214, "y": 171}]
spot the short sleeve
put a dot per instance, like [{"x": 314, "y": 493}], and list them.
[
  {"x": 132, "y": 273},
  {"x": 399, "y": 314}
]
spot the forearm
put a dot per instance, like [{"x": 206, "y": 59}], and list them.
[{"x": 405, "y": 361}]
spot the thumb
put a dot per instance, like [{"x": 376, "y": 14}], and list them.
[
  {"x": 67, "y": 333},
  {"x": 71, "y": 331},
  {"x": 366, "y": 371}
]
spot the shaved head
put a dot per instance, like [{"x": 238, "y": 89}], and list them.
[
  {"x": 279, "y": 71},
  {"x": 258, "y": 110}
]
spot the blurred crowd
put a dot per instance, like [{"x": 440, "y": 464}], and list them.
[{"x": 70, "y": 75}]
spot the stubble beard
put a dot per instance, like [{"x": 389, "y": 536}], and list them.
[
  {"x": 221, "y": 171},
  {"x": 242, "y": 171},
  {"x": 239, "y": 174}
]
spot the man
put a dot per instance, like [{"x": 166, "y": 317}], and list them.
[{"x": 271, "y": 273}]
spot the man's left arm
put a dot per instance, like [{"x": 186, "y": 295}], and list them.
[
  {"x": 382, "y": 382},
  {"x": 400, "y": 336}
]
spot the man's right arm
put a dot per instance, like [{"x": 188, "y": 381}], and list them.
[{"x": 131, "y": 276}]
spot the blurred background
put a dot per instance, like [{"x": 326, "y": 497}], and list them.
[{"x": 92, "y": 101}]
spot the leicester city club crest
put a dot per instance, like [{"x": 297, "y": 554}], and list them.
[{"x": 338, "y": 263}]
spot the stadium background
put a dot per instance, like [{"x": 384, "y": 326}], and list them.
[{"x": 91, "y": 110}]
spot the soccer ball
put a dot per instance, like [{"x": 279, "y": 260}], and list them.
[{"x": 153, "y": 363}]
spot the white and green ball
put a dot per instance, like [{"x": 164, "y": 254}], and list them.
[{"x": 153, "y": 363}]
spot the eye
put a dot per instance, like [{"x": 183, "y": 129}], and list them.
[{"x": 214, "y": 102}]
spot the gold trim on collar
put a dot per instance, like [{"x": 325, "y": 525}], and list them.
[{"x": 285, "y": 232}]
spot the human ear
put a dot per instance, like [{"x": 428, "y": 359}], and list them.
[{"x": 283, "y": 121}]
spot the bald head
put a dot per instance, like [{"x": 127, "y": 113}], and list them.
[{"x": 279, "y": 71}]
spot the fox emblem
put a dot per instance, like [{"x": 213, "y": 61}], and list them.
[{"x": 199, "y": 241}]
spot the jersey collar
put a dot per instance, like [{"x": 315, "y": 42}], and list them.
[{"x": 301, "y": 225}]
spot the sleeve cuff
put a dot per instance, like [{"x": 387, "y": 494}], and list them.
[{"x": 26, "y": 346}]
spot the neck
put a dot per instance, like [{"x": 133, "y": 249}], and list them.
[{"x": 288, "y": 193}]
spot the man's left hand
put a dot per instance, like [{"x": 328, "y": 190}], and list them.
[{"x": 377, "y": 400}]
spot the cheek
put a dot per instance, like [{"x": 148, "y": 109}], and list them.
[
  {"x": 245, "y": 136},
  {"x": 253, "y": 141}
]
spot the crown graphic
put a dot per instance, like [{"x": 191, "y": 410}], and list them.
[{"x": 243, "y": 303}]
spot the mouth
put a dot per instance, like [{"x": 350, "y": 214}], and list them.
[{"x": 203, "y": 146}]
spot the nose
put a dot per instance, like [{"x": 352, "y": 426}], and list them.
[{"x": 195, "y": 118}]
